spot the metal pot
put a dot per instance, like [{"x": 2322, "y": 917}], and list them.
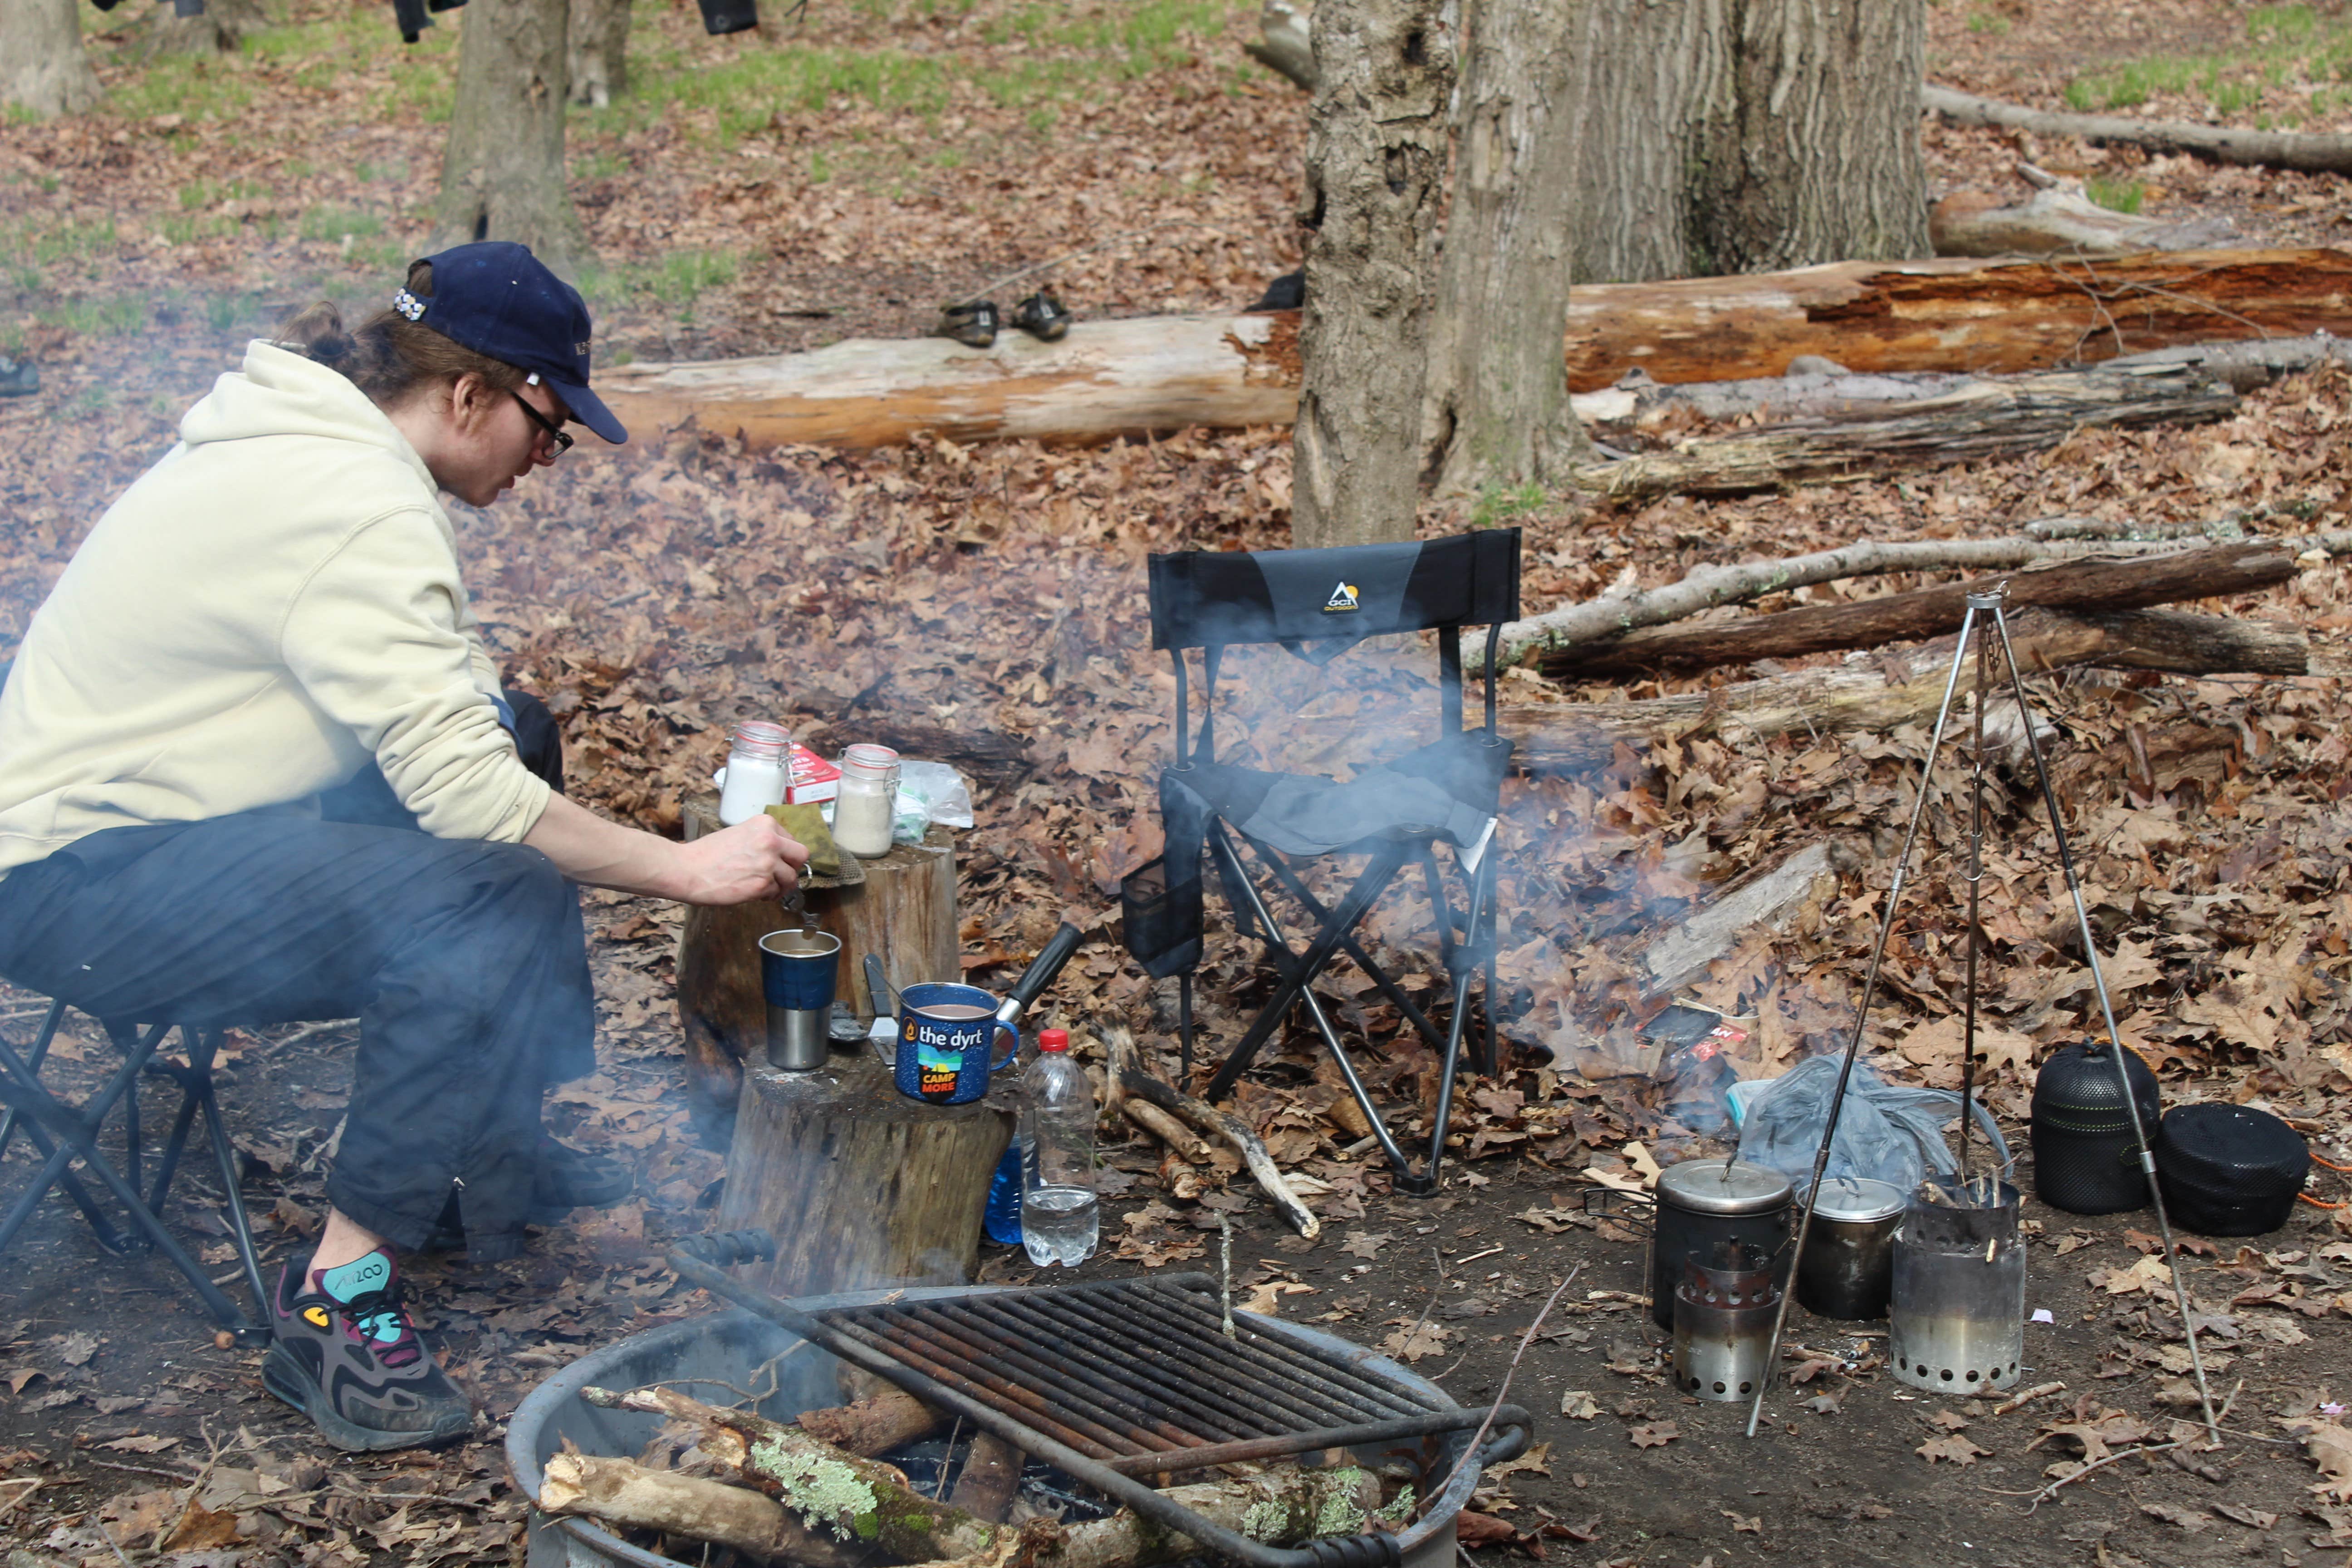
[
  {"x": 1703, "y": 1205},
  {"x": 1848, "y": 1268}
]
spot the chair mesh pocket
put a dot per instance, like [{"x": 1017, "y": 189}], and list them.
[{"x": 1163, "y": 921}]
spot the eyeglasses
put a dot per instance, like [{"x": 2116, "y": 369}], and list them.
[{"x": 554, "y": 431}]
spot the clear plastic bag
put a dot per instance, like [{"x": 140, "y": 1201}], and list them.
[
  {"x": 1886, "y": 1132},
  {"x": 930, "y": 793}
]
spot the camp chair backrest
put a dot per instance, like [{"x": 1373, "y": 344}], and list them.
[{"x": 1320, "y": 602}]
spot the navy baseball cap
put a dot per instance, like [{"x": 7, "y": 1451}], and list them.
[{"x": 497, "y": 299}]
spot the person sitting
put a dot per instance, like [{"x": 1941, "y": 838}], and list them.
[{"x": 257, "y": 765}]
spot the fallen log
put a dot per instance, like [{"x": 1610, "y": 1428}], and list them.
[
  {"x": 1762, "y": 902},
  {"x": 1111, "y": 378},
  {"x": 2248, "y": 363},
  {"x": 1877, "y": 690},
  {"x": 2059, "y": 218},
  {"x": 1980, "y": 419},
  {"x": 2313, "y": 152},
  {"x": 1615, "y": 614},
  {"x": 622, "y": 1493},
  {"x": 2128, "y": 584},
  {"x": 1140, "y": 1085}
]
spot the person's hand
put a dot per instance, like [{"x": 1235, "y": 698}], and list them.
[{"x": 756, "y": 858}]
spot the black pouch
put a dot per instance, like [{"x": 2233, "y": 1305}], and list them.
[
  {"x": 1161, "y": 921},
  {"x": 729, "y": 15}
]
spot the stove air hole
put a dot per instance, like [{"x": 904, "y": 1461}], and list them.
[
  {"x": 1923, "y": 1369},
  {"x": 1972, "y": 1376},
  {"x": 1947, "y": 1374},
  {"x": 1718, "y": 1388},
  {"x": 1746, "y": 1388}
]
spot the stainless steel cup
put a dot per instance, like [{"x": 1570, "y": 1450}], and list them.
[{"x": 797, "y": 971}]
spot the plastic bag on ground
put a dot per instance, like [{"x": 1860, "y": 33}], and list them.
[{"x": 1886, "y": 1132}]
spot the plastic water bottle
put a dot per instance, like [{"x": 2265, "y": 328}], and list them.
[{"x": 1059, "y": 1216}]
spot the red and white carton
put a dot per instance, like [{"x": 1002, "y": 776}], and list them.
[{"x": 814, "y": 778}]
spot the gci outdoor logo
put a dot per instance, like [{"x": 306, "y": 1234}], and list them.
[{"x": 1343, "y": 597}]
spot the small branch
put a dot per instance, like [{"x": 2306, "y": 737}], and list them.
[
  {"x": 2281, "y": 150},
  {"x": 2046, "y": 1493},
  {"x": 2018, "y": 1401},
  {"x": 1234, "y": 1132},
  {"x": 1504, "y": 1393}
]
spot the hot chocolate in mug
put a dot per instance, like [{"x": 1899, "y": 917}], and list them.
[{"x": 946, "y": 1032}]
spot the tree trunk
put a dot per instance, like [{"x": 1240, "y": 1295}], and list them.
[
  {"x": 1725, "y": 136},
  {"x": 43, "y": 69},
  {"x": 502, "y": 172},
  {"x": 1375, "y": 177},
  {"x": 860, "y": 1184},
  {"x": 223, "y": 25},
  {"x": 1497, "y": 410},
  {"x": 2128, "y": 584},
  {"x": 599, "y": 51}
]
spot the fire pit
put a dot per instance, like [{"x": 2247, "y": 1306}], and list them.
[{"x": 1258, "y": 1393}]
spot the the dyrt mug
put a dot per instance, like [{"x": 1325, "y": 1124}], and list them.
[{"x": 945, "y": 1035}]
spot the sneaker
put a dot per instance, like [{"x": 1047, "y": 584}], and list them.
[
  {"x": 1042, "y": 317},
  {"x": 971, "y": 324},
  {"x": 348, "y": 1356},
  {"x": 18, "y": 378}
]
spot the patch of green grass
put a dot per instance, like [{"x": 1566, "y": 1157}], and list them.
[
  {"x": 674, "y": 282},
  {"x": 334, "y": 223},
  {"x": 185, "y": 228},
  {"x": 2115, "y": 196},
  {"x": 1497, "y": 503},
  {"x": 68, "y": 242},
  {"x": 191, "y": 88},
  {"x": 223, "y": 313},
  {"x": 2284, "y": 45},
  {"x": 602, "y": 163},
  {"x": 111, "y": 317},
  {"x": 737, "y": 98},
  {"x": 1989, "y": 22}
]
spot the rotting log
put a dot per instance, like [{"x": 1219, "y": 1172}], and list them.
[
  {"x": 1980, "y": 419},
  {"x": 2095, "y": 585},
  {"x": 860, "y": 1184},
  {"x": 2313, "y": 152},
  {"x": 1113, "y": 378},
  {"x": 899, "y": 906},
  {"x": 1879, "y": 690}
]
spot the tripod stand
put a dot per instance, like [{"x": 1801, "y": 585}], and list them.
[{"x": 1986, "y": 624}]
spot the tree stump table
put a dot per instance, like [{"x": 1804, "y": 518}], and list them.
[
  {"x": 859, "y": 1185},
  {"x": 901, "y": 907}
]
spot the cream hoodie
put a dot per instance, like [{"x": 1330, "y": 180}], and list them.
[{"x": 270, "y": 606}]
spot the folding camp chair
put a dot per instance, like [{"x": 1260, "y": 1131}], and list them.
[
  {"x": 1318, "y": 604},
  {"x": 66, "y": 1133}
]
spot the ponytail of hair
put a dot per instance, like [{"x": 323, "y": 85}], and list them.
[{"x": 388, "y": 356}]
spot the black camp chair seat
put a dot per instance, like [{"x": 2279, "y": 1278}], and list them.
[{"x": 1318, "y": 604}]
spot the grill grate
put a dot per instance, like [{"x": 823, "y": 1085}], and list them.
[{"x": 1126, "y": 1369}]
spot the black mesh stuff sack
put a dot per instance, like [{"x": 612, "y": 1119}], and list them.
[
  {"x": 2229, "y": 1169},
  {"x": 2085, "y": 1157}
]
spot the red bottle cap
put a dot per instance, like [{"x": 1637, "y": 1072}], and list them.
[{"x": 1053, "y": 1039}]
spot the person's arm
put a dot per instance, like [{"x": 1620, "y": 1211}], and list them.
[{"x": 753, "y": 859}]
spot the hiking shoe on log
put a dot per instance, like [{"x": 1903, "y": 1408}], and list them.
[
  {"x": 348, "y": 1356},
  {"x": 972, "y": 323},
  {"x": 1042, "y": 317}
]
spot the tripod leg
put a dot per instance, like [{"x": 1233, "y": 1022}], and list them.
[
  {"x": 1861, "y": 1015},
  {"x": 2114, "y": 1035}
]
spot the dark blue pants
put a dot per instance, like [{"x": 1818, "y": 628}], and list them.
[{"x": 464, "y": 962}]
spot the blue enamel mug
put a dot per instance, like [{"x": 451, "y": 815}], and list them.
[{"x": 945, "y": 1035}]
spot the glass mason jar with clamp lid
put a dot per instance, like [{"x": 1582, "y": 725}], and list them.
[
  {"x": 759, "y": 763},
  {"x": 868, "y": 801}
]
